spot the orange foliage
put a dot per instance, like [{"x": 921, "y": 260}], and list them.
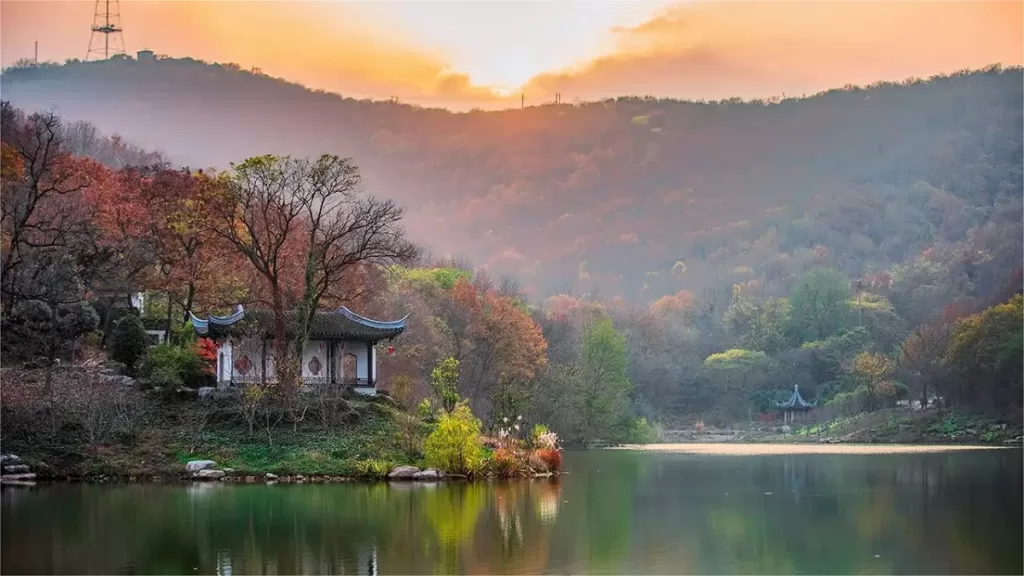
[
  {"x": 551, "y": 457},
  {"x": 675, "y": 304}
]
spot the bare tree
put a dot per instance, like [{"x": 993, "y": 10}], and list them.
[
  {"x": 37, "y": 213},
  {"x": 304, "y": 223}
]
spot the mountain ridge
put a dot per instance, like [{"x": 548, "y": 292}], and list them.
[{"x": 633, "y": 197}]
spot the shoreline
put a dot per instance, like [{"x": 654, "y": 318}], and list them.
[
  {"x": 257, "y": 478},
  {"x": 784, "y": 448}
]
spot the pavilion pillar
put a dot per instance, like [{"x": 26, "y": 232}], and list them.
[{"x": 369, "y": 365}]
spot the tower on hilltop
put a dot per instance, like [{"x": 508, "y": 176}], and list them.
[{"x": 106, "y": 39}]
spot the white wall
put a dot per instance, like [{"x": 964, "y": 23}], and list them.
[
  {"x": 224, "y": 363},
  {"x": 315, "y": 349},
  {"x": 228, "y": 352},
  {"x": 356, "y": 348}
]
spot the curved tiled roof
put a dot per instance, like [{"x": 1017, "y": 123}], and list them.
[
  {"x": 796, "y": 401},
  {"x": 340, "y": 324}
]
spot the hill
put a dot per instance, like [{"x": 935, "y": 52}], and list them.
[{"x": 632, "y": 197}]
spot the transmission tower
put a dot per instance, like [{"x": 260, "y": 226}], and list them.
[{"x": 106, "y": 22}]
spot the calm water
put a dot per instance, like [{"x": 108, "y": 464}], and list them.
[{"x": 617, "y": 512}]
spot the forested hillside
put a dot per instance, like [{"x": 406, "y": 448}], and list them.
[
  {"x": 634, "y": 197},
  {"x": 677, "y": 260}
]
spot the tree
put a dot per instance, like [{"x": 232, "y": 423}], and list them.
[
  {"x": 303, "y": 225},
  {"x": 604, "y": 386},
  {"x": 872, "y": 372},
  {"x": 445, "y": 380},
  {"x": 172, "y": 214},
  {"x": 40, "y": 211},
  {"x": 986, "y": 350},
  {"x": 759, "y": 324},
  {"x": 731, "y": 372},
  {"x": 129, "y": 341},
  {"x": 819, "y": 304}
]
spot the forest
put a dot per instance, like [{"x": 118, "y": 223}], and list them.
[
  {"x": 635, "y": 197},
  {"x": 863, "y": 244}
]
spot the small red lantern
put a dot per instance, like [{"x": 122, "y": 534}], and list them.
[{"x": 391, "y": 349}]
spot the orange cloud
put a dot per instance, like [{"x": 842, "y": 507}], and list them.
[
  {"x": 765, "y": 49},
  {"x": 323, "y": 45}
]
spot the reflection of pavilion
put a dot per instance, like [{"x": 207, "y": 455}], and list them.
[{"x": 794, "y": 406}]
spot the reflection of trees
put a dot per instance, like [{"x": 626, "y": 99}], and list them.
[{"x": 617, "y": 512}]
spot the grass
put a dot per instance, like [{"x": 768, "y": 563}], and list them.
[
  {"x": 368, "y": 448},
  {"x": 927, "y": 427}
]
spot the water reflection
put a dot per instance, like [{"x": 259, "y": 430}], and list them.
[{"x": 617, "y": 512}]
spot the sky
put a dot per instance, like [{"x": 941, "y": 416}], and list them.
[{"x": 487, "y": 53}]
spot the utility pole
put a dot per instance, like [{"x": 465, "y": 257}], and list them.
[
  {"x": 37, "y": 53},
  {"x": 522, "y": 100},
  {"x": 106, "y": 20}
]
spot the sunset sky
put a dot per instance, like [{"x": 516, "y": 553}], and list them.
[{"x": 473, "y": 53}]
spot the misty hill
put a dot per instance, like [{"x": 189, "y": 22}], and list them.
[{"x": 639, "y": 197}]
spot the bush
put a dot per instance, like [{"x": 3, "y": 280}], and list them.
[
  {"x": 129, "y": 341},
  {"x": 538, "y": 431},
  {"x": 185, "y": 363},
  {"x": 454, "y": 445},
  {"x": 642, "y": 432},
  {"x": 374, "y": 468},
  {"x": 165, "y": 377},
  {"x": 509, "y": 462},
  {"x": 853, "y": 403},
  {"x": 552, "y": 457},
  {"x": 425, "y": 411}
]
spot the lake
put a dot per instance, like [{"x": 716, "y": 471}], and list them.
[{"x": 616, "y": 512}]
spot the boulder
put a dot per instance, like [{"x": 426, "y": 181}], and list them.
[
  {"x": 428, "y": 474},
  {"x": 270, "y": 476},
  {"x": 9, "y": 459},
  {"x": 18, "y": 477},
  {"x": 206, "y": 391},
  {"x": 16, "y": 468},
  {"x": 400, "y": 472},
  {"x": 208, "y": 474},
  {"x": 197, "y": 465}
]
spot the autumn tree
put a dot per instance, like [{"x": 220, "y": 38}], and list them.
[
  {"x": 303, "y": 224},
  {"x": 871, "y": 372},
  {"x": 172, "y": 211},
  {"x": 986, "y": 350},
  {"x": 41, "y": 209}
]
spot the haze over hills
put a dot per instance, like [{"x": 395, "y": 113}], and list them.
[{"x": 637, "y": 197}]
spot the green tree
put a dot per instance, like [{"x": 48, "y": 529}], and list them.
[
  {"x": 603, "y": 399},
  {"x": 876, "y": 314},
  {"x": 732, "y": 374},
  {"x": 759, "y": 324},
  {"x": 445, "y": 379},
  {"x": 820, "y": 305},
  {"x": 129, "y": 341}
]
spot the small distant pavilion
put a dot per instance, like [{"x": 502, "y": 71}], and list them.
[{"x": 794, "y": 406}]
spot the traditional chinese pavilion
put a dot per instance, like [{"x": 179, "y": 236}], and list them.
[
  {"x": 341, "y": 347},
  {"x": 795, "y": 405}
]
